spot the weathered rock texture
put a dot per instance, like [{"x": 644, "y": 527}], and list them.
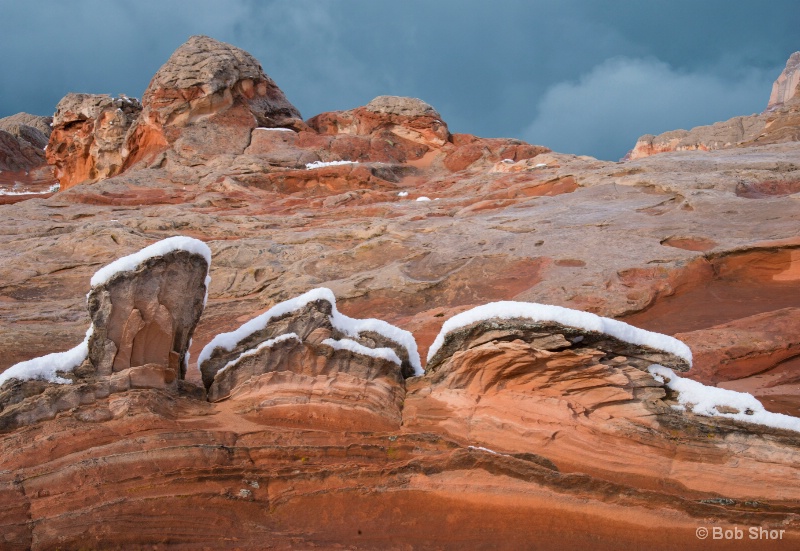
[
  {"x": 23, "y": 167},
  {"x": 292, "y": 373},
  {"x": 18, "y": 154},
  {"x": 581, "y": 447},
  {"x": 88, "y": 136},
  {"x": 787, "y": 87},
  {"x": 142, "y": 323},
  {"x": 572, "y": 395},
  {"x": 31, "y": 128},
  {"x": 205, "y": 100},
  {"x": 147, "y": 315}
]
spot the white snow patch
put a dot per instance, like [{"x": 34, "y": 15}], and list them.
[
  {"x": 347, "y": 344},
  {"x": 481, "y": 448},
  {"x": 6, "y": 192},
  {"x": 320, "y": 164},
  {"x": 275, "y": 129},
  {"x": 507, "y": 161},
  {"x": 349, "y": 326},
  {"x": 707, "y": 400},
  {"x": 565, "y": 316},
  {"x": 423, "y": 198},
  {"x": 402, "y": 194},
  {"x": 160, "y": 248},
  {"x": 45, "y": 367},
  {"x": 252, "y": 352},
  {"x": 540, "y": 165}
]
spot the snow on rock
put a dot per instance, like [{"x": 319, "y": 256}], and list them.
[
  {"x": 423, "y": 198},
  {"x": 349, "y": 326},
  {"x": 160, "y": 248},
  {"x": 565, "y": 316},
  {"x": 320, "y": 164},
  {"x": 711, "y": 401},
  {"x": 46, "y": 367},
  {"x": 262, "y": 128},
  {"x": 253, "y": 351},
  {"x": 352, "y": 346},
  {"x": 402, "y": 194},
  {"x": 6, "y": 192}
]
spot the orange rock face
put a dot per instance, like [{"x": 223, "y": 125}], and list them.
[
  {"x": 88, "y": 136},
  {"x": 534, "y": 437}
]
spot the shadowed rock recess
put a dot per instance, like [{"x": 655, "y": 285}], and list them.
[{"x": 571, "y": 310}]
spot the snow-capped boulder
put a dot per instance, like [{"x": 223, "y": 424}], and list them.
[
  {"x": 303, "y": 357},
  {"x": 555, "y": 328},
  {"x": 145, "y": 306}
]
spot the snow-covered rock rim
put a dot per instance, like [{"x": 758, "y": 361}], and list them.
[
  {"x": 565, "y": 316},
  {"x": 347, "y": 325},
  {"x": 322, "y": 164},
  {"x": 160, "y": 248},
  {"x": 47, "y": 367},
  {"x": 711, "y": 401}
]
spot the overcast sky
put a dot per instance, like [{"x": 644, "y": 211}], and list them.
[{"x": 579, "y": 76}]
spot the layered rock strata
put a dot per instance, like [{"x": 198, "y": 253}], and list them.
[
  {"x": 550, "y": 435},
  {"x": 550, "y": 387},
  {"x": 144, "y": 308},
  {"x": 302, "y": 360}
]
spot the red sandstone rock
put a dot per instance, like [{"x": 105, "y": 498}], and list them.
[
  {"x": 522, "y": 440},
  {"x": 88, "y": 137},
  {"x": 744, "y": 347},
  {"x": 207, "y": 91}
]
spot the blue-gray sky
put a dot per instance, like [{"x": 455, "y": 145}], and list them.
[{"x": 579, "y": 76}]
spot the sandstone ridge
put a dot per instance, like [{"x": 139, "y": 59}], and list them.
[{"x": 780, "y": 122}]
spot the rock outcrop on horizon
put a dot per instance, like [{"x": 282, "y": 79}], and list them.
[
  {"x": 780, "y": 122},
  {"x": 205, "y": 101},
  {"x": 284, "y": 422},
  {"x": 88, "y": 136},
  {"x": 23, "y": 166},
  {"x": 786, "y": 88}
]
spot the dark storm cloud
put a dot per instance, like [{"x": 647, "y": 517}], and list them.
[{"x": 578, "y": 75}]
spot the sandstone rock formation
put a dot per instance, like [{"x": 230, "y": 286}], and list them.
[
  {"x": 719, "y": 135},
  {"x": 24, "y": 172},
  {"x": 549, "y": 404},
  {"x": 146, "y": 314},
  {"x": 550, "y": 435},
  {"x": 517, "y": 385},
  {"x": 32, "y": 128},
  {"x": 786, "y": 87},
  {"x": 303, "y": 362},
  {"x": 205, "y": 100},
  {"x": 779, "y": 123},
  {"x": 144, "y": 309},
  {"x": 89, "y": 132},
  {"x": 18, "y": 154}
]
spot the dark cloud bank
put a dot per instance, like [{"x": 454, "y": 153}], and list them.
[{"x": 579, "y": 76}]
